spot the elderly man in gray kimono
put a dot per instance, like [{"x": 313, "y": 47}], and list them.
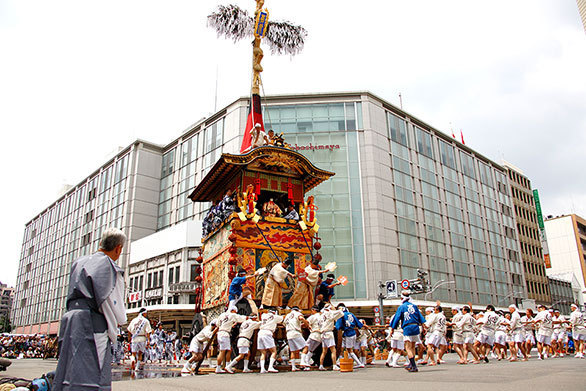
[{"x": 95, "y": 309}]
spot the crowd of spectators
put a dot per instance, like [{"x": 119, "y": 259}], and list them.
[{"x": 15, "y": 346}]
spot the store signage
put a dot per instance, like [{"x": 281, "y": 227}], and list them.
[
  {"x": 157, "y": 292},
  {"x": 312, "y": 147},
  {"x": 182, "y": 287},
  {"x": 542, "y": 236},
  {"x": 133, "y": 297}
]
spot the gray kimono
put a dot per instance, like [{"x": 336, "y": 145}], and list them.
[{"x": 94, "y": 295}]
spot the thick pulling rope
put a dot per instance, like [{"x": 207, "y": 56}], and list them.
[{"x": 265, "y": 238}]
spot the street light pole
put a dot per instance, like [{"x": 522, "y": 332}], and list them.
[
  {"x": 509, "y": 295},
  {"x": 437, "y": 285}
]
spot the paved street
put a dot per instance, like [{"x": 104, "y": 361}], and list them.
[{"x": 557, "y": 374}]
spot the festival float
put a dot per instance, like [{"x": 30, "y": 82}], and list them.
[
  {"x": 253, "y": 193},
  {"x": 250, "y": 194}
]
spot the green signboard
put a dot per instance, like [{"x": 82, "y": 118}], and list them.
[{"x": 538, "y": 209}]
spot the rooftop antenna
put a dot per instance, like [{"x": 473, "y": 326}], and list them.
[{"x": 401, "y": 100}]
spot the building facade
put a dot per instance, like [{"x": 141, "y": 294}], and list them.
[
  {"x": 6, "y": 299},
  {"x": 562, "y": 293},
  {"x": 122, "y": 193},
  {"x": 405, "y": 197},
  {"x": 566, "y": 239},
  {"x": 536, "y": 279}
]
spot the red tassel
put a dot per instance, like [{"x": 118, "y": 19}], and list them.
[
  {"x": 257, "y": 182},
  {"x": 289, "y": 189}
]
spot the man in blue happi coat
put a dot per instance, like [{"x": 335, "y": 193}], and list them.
[
  {"x": 348, "y": 324},
  {"x": 411, "y": 319}
]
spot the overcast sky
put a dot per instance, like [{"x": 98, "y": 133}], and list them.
[{"x": 80, "y": 78}]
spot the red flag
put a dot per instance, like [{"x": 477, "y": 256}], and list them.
[
  {"x": 462, "y": 135},
  {"x": 254, "y": 117},
  {"x": 453, "y": 135}
]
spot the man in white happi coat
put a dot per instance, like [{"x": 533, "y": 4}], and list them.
[
  {"x": 266, "y": 340},
  {"x": 559, "y": 336},
  {"x": 397, "y": 345},
  {"x": 140, "y": 330},
  {"x": 457, "y": 335},
  {"x": 315, "y": 322},
  {"x": 226, "y": 322},
  {"x": 578, "y": 324},
  {"x": 488, "y": 324},
  {"x": 517, "y": 334},
  {"x": 198, "y": 345},
  {"x": 529, "y": 329},
  {"x": 293, "y": 323},
  {"x": 329, "y": 318},
  {"x": 467, "y": 324},
  {"x": 245, "y": 336},
  {"x": 543, "y": 321}
]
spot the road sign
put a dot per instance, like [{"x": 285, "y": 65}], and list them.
[
  {"x": 392, "y": 288},
  {"x": 376, "y": 310},
  {"x": 376, "y": 320},
  {"x": 405, "y": 284}
]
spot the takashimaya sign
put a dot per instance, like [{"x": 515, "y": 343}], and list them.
[{"x": 312, "y": 147}]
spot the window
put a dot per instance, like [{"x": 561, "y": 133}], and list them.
[
  {"x": 424, "y": 145},
  {"x": 192, "y": 272},
  {"x": 447, "y": 154},
  {"x": 314, "y": 118},
  {"x": 167, "y": 163},
  {"x": 485, "y": 174},
  {"x": 177, "y": 274},
  {"x": 397, "y": 129},
  {"x": 166, "y": 189},
  {"x": 467, "y": 165}
]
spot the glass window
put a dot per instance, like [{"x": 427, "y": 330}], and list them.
[
  {"x": 397, "y": 129},
  {"x": 407, "y": 226},
  {"x": 485, "y": 174},
  {"x": 408, "y": 242},
  {"x": 192, "y": 272},
  {"x": 409, "y": 258},
  {"x": 447, "y": 154},
  {"x": 167, "y": 163},
  {"x": 403, "y": 180},
  {"x": 467, "y": 165},
  {"x": 424, "y": 145},
  {"x": 405, "y": 210},
  {"x": 401, "y": 165}
]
